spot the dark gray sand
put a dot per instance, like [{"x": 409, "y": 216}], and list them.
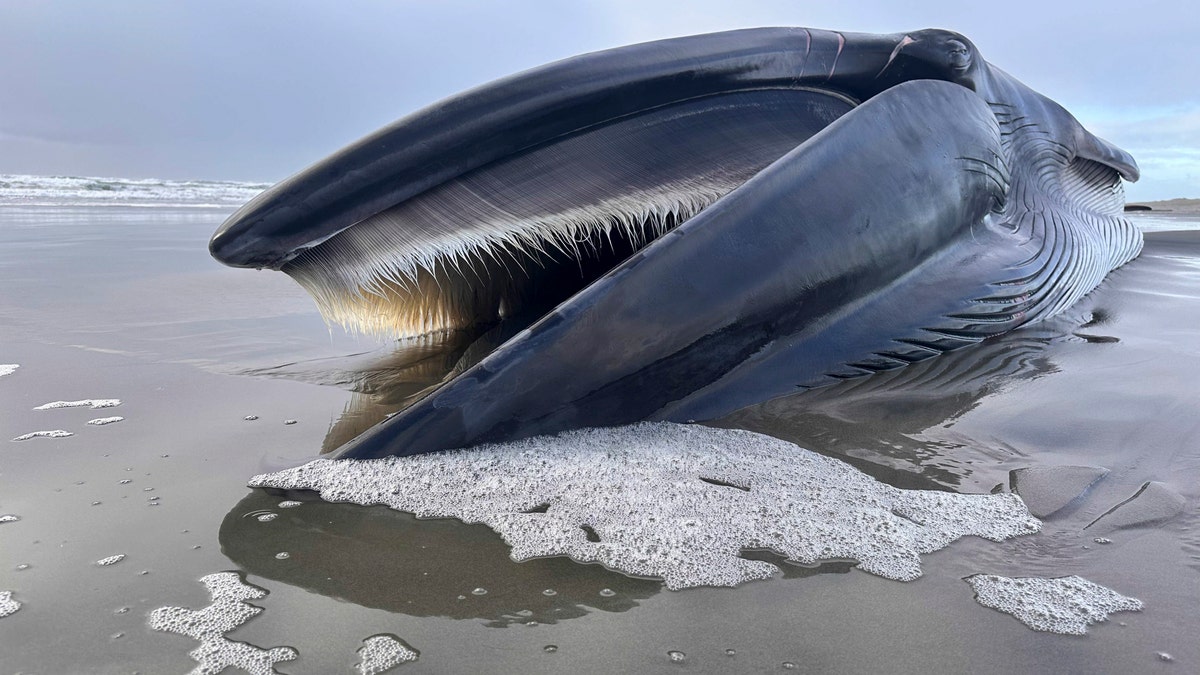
[{"x": 124, "y": 303}]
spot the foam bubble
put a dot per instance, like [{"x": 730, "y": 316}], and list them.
[
  {"x": 228, "y": 610},
  {"x": 93, "y": 403},
  {"x": 56, "y": 433},
  {"x": 101, "y": 421},
  {"x": 111, "y": 560},
  {"x": 381, "y": 653},
  {"x": 1067, "y": 605},
  {"x": 217, "y": 655},
  {"x": 8, "y": 606},
  {"x": 8, "y": 368},
  {"x": 671, "y": 501}
]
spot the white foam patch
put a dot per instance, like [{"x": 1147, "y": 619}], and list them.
[
  {"x": 56, "y": 433},
  {"x": 101, "y": 421},
  {"x": 228, "y": 610},
  {"x": 8, "y": 368},
  {"x": 381, "y": 653},
  {"x": 672, "y": 501},
  {"x": 8, "y": 606},
  {"x": 1066, "y": 605},
  {"x": 85, "y": 403}
]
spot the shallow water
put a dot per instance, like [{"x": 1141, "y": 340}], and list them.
[{"x": 124, "y": 303}]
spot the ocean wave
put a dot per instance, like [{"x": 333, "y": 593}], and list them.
[{"x": 22, "y": 190}]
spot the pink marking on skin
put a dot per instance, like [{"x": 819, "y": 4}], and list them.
[
  {"x": 904, "y": 42},
  {"x": 807, "y": 49},
  {"x": 841, "y": 45}
]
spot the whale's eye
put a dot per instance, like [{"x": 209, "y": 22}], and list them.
[{"x": 958, "y": 55}]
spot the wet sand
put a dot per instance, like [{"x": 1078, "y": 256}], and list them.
[{"x": 124, "y": 303}]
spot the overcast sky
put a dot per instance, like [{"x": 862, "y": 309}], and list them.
[{"x": 246, "y": 90}]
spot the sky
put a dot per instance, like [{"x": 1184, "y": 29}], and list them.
[{"x": 257, "y": 90}]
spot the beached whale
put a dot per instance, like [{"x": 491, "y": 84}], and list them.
[{"x": 694, "y": 225}]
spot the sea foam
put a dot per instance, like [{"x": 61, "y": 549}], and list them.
[
  {"x": 1067, "y": 605},
  {"x": 24, "y": 190},
  {"x": 53, "y": 433},
  {"x": 8, "y": 606},
  {"x": 94, "y": 403},
  {"x": 381, "y": 653},
  {"x": 678, "y": 502},
  {"x": 228, "y": 610}
]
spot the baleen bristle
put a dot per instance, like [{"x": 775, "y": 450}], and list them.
[
  {"x": 469, "y": 251},
  {"x": 376, "y": 279}
]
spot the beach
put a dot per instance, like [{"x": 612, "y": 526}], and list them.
[{"x": 222, "y": 374}]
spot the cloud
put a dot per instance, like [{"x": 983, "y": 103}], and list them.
[
  {"x": 229, "y": 89},
  {"x": 1165, "y": 140}
]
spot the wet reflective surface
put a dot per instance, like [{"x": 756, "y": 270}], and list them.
[
  {"x": 381, "y": 559},
  {"x": 125, "y": 304}
]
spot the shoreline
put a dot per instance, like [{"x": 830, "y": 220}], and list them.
[{"x": 1178, "y": 206}]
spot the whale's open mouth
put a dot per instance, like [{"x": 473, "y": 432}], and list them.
[
  {"x": 521, "y": 234},
  {"x": 500, "y": 269},
  {"x": 506, "y": 200}
]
